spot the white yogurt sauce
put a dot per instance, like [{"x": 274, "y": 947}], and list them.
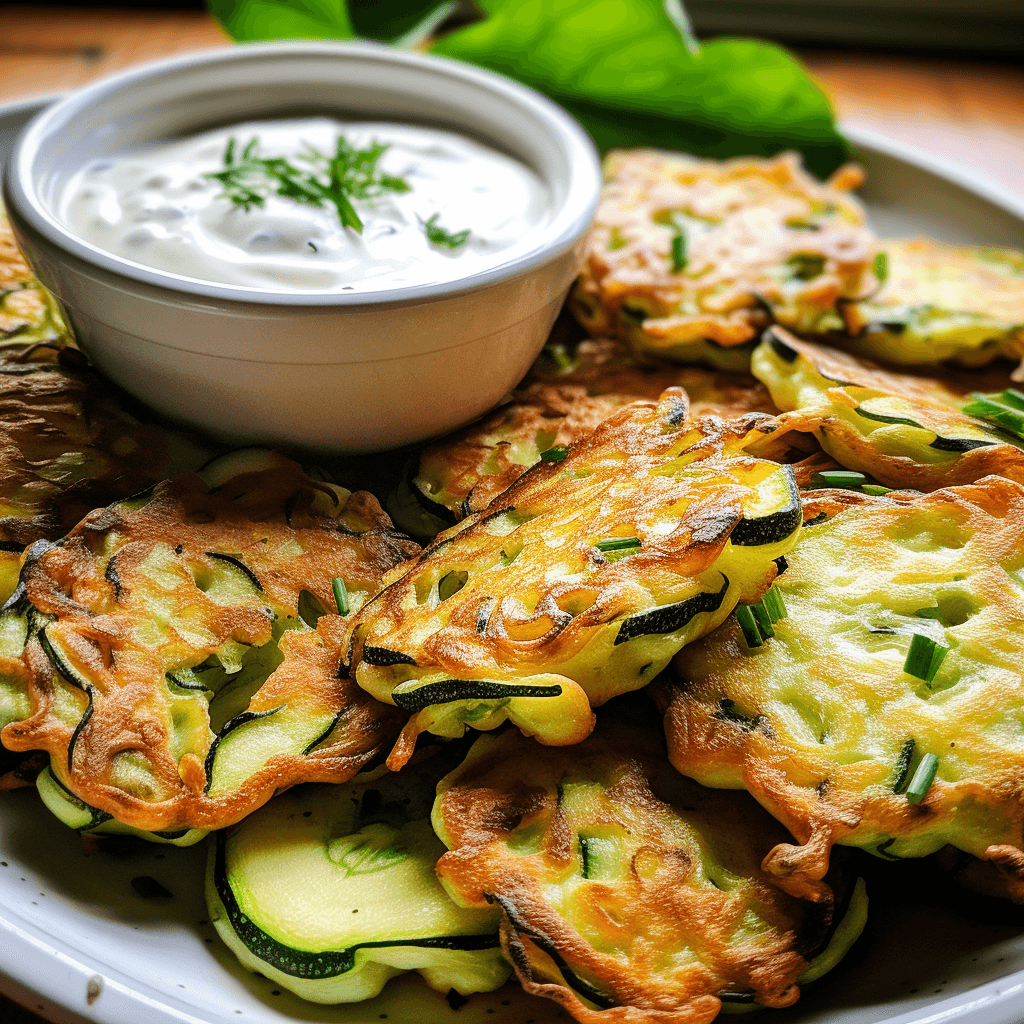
[{"x": 153, "y": 206}]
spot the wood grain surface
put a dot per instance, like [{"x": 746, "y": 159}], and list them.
[{"x": 969, "y": 111}]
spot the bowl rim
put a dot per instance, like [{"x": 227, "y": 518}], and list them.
[{"x": 564, "y": 230}]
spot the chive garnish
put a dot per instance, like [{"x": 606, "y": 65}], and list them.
[
  {"x": 924, "y": 657},
  {"x": 839, "y": 478},
  {"x": 773, "y": 601},
  {"x": 555, "y": 453},
  {"x": 348, "y": 174},
  {"x": 923, "y": 779},
  {"x": 679, "y": 257},
  {"x": 880, "y": 266},
  {"x": 617, "y": 543},
  {"x": 1005, "y": 410},
  {"x": 437, "y": 235},
  {"x": 757, "y": 620},
  {"x": 340, "y": 595},
  {"x": 748, "y": 624},
  {"x": 763, "y": 620}
]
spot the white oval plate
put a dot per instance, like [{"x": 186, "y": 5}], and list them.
[{"x": 77, "y": 944}]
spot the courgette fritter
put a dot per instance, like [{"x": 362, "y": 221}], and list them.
[
  {"x": 170, "y": 667},
  {"x": 628, "y": 892},
  {"x": 939, "y": 303},
  {"x": 885, "y": 710},
  {"x": 904, "y": 430},
  {"x": 691, "y": 259},
  {"x": 582, "y": 579},
  {"x": 557, "y": 404},
  {"x": 31, "y": 326}
]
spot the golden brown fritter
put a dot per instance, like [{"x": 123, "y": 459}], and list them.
[
  {"x": 582, "y": 579},
  {"x": 170, "y": 670},
  {"x": 31, "y": 327},
  {"x": 630, "y": 894},
  {"x": 834, "y": 724},
  {"x": 691, "y": 258},
  {"x": 905, "y": 430},
  {"x": 939, "y": 302}
]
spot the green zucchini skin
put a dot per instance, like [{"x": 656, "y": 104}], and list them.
[
  {"x": 670, "y": 617},
  {"x": 330, "y": 891}
]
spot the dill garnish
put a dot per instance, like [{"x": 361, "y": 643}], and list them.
[{"x": 247, "y": 178}]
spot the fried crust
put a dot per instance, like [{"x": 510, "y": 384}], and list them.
[
  {"x": 761, "y": 240},
  {"x": 823, "y": 725},
  {"x": 125, "y": 612},
  {"x": 464, "y": 472},
  {"x": 30, "y": 325},
  {"x": 905, "y": 430},
  {"x": 623, "y": 885},
  {"x": 519, "y": 613},
  {"x": 940, "y": 302}
]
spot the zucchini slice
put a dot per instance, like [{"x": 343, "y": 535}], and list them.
[
  {"x": 690, "y": 259},
  {"x": 582, "y": 580},
  {"x": 884, "y": 712},
  {"x": 331, "y": 890},
  {"x": 626, "y": 887},
  {"x": 904, "y": 430},
  {"x": 167, "y": 670}
]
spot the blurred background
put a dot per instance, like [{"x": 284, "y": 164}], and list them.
[{"x": 944, "y": 75}]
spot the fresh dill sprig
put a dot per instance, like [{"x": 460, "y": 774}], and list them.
[
  {"x": 348, "y": 174},
  {"x": 437, "y": 235}
]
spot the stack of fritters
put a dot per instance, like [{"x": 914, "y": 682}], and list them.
[{"x": 788, "y": 570}]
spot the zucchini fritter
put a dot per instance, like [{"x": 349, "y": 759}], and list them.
[
  {"x": 329, "y": 891},
  {"x": 629, "y": 893},
  {"x": 691, "y": 258},
  {"x": 582, "y": 579},
  {"x": 30, "y": 325},
  {"x": 940, "y": 302},
  {"x": 169, "y": 669},
  {"x": 464, "y": 472},
  {"x": 905, "y": 431},
  {"x": 885, "y": 710}
]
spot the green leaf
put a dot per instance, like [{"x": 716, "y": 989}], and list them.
[
  {"x": 624, "y": 69},
  {"x": 437, "y": 235},
  {"x": 249, "y": 20}
]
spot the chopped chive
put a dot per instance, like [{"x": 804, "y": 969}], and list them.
[
  {"x": 924, "y": 657},
  {"x": 451, "y": 583},
  {"x": 1013, "y": 398},
  {"x": 617, "y": 543},
  {"x": 340, "y": 595},
  {"x": 880, "y": 266},
  {"x": 985, "y": 407},
  {"x": 763, "y": 620},
  {"x": 875, "y": 489},
  {"x": 555, "y": 453},
  {"x": 903, "y": 766},
  {"x": 774, "y": 603},
  {"x": 923, "y": 779},
  {"x": 838, "y": 478},
  {"x": 748, "y": 624},
  {"x": 679, "y": 257}
]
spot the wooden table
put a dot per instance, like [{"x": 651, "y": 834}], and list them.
[{"x": 968, "y": 111}]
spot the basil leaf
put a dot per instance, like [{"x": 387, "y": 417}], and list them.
[
  {"x": 624, "y": 69},
  {"x": 248, "y": 20}
]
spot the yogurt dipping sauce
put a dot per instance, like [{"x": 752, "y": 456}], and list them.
[{"x": 154, "y": 206}]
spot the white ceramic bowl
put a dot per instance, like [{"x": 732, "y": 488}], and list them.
[{"x": 344, "y": 371}]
